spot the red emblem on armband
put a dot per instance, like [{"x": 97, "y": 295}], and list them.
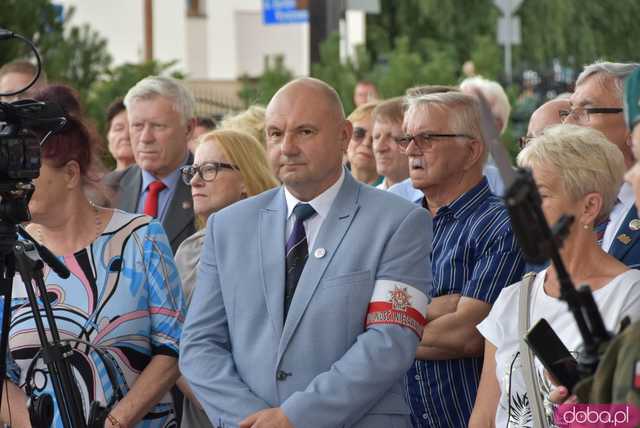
[{"x": 397, "y": 303}]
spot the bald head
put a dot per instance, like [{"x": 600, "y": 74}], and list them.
[
  {"x": 546, "y": 115},
  {"x": 321, "y": 94},
  {"x": 307, "y": 135}
]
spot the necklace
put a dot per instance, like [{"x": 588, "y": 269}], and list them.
[{"x": 98, "y": 223}]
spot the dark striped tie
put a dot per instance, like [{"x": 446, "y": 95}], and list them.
[{"x": 297, "y": 252}]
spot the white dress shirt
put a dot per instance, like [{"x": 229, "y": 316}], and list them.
[
  {"x": 321, "y": 203},
  {"x": 618, "y": 214}
]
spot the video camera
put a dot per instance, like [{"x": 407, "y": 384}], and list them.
[{"x": 24, "y": 127}]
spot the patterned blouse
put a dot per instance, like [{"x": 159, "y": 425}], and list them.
[{"x": 123, "y": 296}]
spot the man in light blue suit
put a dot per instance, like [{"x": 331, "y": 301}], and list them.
[{"x": 311, "y": 298}]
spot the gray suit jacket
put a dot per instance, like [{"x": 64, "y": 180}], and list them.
[
  {"x": 178, "y": 223},
  {"x": 322, "y": 367}
]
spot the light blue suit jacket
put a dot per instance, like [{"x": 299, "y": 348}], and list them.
[{"x": 321, "y": 367}]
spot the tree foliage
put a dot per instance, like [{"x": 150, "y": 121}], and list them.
[
  {"x": 117, "y": 81},
  {"x": 260, "y": 91},
  {"x": 342, "y": 77},
  {"x": 71, "y": 54}
]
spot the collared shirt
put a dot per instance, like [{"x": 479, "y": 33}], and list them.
[
  {"x": 384, "y": 185},
  {"x": 406, "y": 190},
  {"x": 618, "y": 214},
  {"x": 321, "y": 203},
  {"x": 170, "y": 181},
  {"x": 475, "y": 254}
]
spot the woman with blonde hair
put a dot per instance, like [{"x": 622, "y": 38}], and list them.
[
  {"x": 250, "y": 121},
  {"x": 360, "y": 149},
  {"x": 578, "y": 172},
  {"x": 228, "y": 166}
]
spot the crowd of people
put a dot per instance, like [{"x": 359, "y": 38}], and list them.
[{"x": 293, "y": 266}]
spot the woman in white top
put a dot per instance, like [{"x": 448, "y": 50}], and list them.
[{"x": 578, "y": 172}]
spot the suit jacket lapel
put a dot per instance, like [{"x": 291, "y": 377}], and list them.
[
  {"x": 329, "y": 238},
  {"x": 625, "y": 237},
  {"x": 130, "y": 188},
  {"x": 179, "y": 212},
  {"x": 272, "y": 258}
]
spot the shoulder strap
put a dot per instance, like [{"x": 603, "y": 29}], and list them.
[{"x": 526, "y": 356}]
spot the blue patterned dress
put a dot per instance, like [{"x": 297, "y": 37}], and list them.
[{"x": 123, "y": 296}]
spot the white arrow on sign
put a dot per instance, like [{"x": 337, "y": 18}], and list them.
[{"x": 508, "y": 7}]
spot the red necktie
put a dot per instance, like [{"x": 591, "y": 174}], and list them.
[{"x": 151, "y": 202}]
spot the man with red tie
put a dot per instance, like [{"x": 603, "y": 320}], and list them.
[{"x": 161, "y": 122}]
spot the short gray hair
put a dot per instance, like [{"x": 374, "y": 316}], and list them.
[
  {"x": 495, "y": 95},
  {"x": 166, "y": 87},
  {"x": 603, "y": 70},
  {"x": 463, "y": 112},
  {"x": 584, "y": 160}
]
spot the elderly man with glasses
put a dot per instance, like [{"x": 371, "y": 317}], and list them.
[
  {"x": 475, "y": 254},
  {"x": 597, "y": 103},
  {"x": 546, "y": 115}
]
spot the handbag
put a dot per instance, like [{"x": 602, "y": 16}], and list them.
[{"x": 526, "y": 355}]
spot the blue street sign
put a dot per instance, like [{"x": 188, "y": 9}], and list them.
[{"x": 283, "y": 12}]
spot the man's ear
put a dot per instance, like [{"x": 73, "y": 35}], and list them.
[
  {"x": 191, "y": 126},
  {"x": 477, "y": 150},
  {"x": 345, "y": 134}
]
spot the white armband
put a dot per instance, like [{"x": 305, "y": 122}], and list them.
[{"x": 394, "y": 302}]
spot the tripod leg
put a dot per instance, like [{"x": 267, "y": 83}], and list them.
[
  {"x": 6, "y": 282},
  {"x": 56, "y": 355}
]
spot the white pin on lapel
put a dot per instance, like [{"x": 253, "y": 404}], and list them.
[
  {"x": 319, "y": 253},
  {"x": 634, "y": 224}
]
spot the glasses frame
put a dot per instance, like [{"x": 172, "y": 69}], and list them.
[
  {"x": 565, "y": 114},
  {"x": 186, "y": 178},
  {"x": 420, "y": 139}
]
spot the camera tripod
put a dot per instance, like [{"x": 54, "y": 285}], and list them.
[{"x": 24, "y": 256}]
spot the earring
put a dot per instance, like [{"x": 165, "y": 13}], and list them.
[{"x": 586, "y": 227}]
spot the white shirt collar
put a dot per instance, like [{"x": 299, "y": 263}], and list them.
[
  {"x": 626, "y": 195},
  {"x": 321, "y": 203}
]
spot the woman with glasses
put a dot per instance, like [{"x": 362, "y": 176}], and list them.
[
  {"x": 578, "y": 173},
  {"x": 360, "y": 149},
  {"x": 228, "y": 166}
]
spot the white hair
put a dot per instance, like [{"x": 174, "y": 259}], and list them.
[
  {"x": 494, "y": 94},
  {"x": 166, "y": 87},
  {"x": 584, "y": 160},
  {"x": 463, "y": 112},
  {"x": 604, "y": 71}
]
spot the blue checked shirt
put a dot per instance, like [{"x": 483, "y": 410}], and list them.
[{"x": 474, "y": 254}]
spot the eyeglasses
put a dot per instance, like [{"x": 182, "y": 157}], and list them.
[
  {"x": 582, "y": 114},
  {"x": 208, "y": 171},
  {"x": 424, "y": 140}
]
